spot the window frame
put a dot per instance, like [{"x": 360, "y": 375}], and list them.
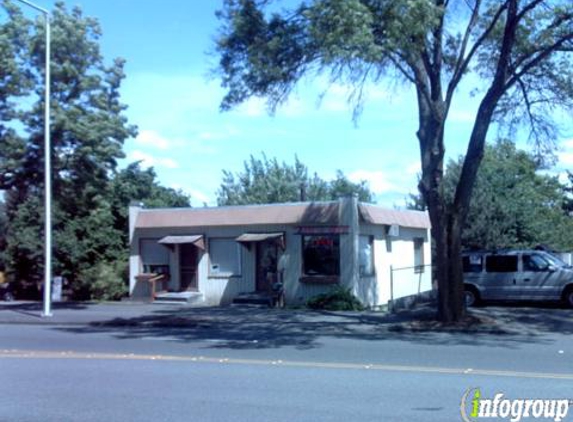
[
  {"x": 336, "y": 245},
  {"x": 419, "y": 255},
  {"x": 533, "y": 257},
  {"x": 158, "y": 267}
]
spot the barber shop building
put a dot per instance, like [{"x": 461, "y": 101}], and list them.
[{"x": 213, "y": 256}]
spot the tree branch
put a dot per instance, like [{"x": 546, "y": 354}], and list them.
[
  {"x": 463, "y": 63},
  {"x": 542, "y": 55},
  {"x": 528, "y": 7}
]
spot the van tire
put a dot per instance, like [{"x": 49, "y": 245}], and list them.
[
  {"x": 471, "y": 296},
  {"x": 568, "y": 296}
]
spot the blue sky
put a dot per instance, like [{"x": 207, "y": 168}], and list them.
[{"x": 189, "y": 142}]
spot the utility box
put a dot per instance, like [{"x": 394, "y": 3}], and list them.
[{"x": 57, "y": 285}]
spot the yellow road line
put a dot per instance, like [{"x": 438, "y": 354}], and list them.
[{"x": 42, "y": 354}]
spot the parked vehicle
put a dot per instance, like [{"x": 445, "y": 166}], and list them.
[{"x": 516, "y": 275}]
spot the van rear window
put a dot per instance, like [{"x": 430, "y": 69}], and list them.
[{"x": 501, "y": 263}]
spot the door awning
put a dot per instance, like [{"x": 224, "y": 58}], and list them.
[
  {"x": 196, "y": 240},
  {"x": 278, "y": 237}
]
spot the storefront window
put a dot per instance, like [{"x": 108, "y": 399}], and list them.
[
  {"x": 321, "y": 255},
  {"x": 225, "y": 257},
  {"x": 366, "y": 256}
]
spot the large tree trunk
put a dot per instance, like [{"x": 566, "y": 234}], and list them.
[
  {"x": 448, "y": 218},
  {"x": 446, "y": 234}
]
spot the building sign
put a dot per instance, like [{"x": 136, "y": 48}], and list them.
[{"x": 311, "y": 230}]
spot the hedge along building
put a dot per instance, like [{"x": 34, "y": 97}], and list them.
[{"x": 216, "y": 254}]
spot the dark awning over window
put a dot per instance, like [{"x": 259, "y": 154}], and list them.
[
  {"x": 279, "y": 238},
  {"x": 196, "y": 240}
]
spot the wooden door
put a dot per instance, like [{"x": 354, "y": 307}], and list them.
[{"x": 266, "y": 264}]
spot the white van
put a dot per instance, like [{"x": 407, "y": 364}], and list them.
[{"x": 516, "y": 275}]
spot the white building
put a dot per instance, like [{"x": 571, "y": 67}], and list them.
[{"x": 216, "y": 254}]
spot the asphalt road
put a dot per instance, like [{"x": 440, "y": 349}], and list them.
[{"x": 72, "y": 373}]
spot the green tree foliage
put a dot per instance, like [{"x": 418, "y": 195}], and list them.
[
  {"x": 87, "y": 134},
  {"x": 519, "y": 49},
  {"x": 568, "y": 204},
  {"x": 513, "y": 205},
  {"x": 15, "y": 82},
  {"x": 134, "y": 184},
  {"x": 90, "y": 197},
  {"x": 266, "y": 181}
]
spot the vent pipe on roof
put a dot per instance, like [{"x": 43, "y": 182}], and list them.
[{"x": 302, "y": 192}]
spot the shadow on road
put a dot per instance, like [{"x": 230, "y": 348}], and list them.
[
  {"x": 256, "y": 328},
  {"x": 34, "y": 309}
]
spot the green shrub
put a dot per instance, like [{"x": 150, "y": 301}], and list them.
[
  {"x": 339, "y": 299},
  {"x": 104, "y": 281}
]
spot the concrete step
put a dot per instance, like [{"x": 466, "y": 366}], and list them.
[{"x": 179, "y": 297}]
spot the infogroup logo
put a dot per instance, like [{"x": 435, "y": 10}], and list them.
[{"x": 474, "y": 407}]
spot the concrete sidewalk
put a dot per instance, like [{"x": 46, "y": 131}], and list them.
[
  {"x": 75, "y": 313},
  {"x": 127, "y": 314},
  {"x": 494, "y": 320}
]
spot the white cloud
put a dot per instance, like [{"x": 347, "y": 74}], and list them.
[
  {"x": 566, "y": 154},
  {"x": 377, "y": 180},
  {"x": 198, "y": 197},
  {"x": 153, "y": 139},
  {"x": 253, "y": 107},
  {"x": 566, "y": 158},
  {"x": 257, "y": 107},
  {"x": 147, "y": 160}
]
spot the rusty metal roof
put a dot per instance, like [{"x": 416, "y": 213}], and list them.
[
  {"x": 301, "y": 213},
  {"x": 295, "y": 213},
  {"x": 406, "y": 218}
]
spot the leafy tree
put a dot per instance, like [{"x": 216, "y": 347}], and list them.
[
  {"x": 513, "y": 205},
  {"x": 134, "y": 184},
  {"x": 88, "y": 131},
  {"x": 265, "y": 181},
  {"x": 341, "y": 186},
  {"x": 15, "y": 83},
  {"x": 90, "y": 196},
  {"x": 568, "y": 204},
  {"x": 519, "y": 49}
]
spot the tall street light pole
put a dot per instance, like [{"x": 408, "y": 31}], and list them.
[{"x": 47, "y": 170}]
